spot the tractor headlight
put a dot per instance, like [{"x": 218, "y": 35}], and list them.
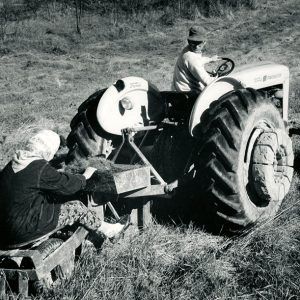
[{"x": 126, "y": 103}]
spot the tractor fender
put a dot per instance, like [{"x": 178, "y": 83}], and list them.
[
  {"x": 212, "y": 92},
  {"x": 146, "y": 106}
]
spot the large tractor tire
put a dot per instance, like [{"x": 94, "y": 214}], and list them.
[
  {"x": 87, "y": 138},
  {"x": 244, "y": 159}
]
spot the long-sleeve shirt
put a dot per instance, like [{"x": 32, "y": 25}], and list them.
[
  {"x": 190, "y": 74},
  {"x": 30, "y": 200}
]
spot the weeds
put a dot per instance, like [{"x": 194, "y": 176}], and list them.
[{"x": 176, "y": 263}]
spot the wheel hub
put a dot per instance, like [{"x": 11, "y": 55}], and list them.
[{"x": 272, "y": 166}]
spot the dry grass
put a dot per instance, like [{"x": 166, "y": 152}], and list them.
[
  {"x": 186, "y": 263},
  {"x": 47, "y": 70}
]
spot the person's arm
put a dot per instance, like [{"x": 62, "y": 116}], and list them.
[
  {"x": 207, "y": 59},
  {"x": 60, "y": 183},
  {"x": 196, "y": 67}
]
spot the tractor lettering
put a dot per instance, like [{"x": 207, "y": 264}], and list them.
[
  {"x": 274, "y": 76},
  {"x": 134, "y": 85},
  {"x": 258, "y": 79}
]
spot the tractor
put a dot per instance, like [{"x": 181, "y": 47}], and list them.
[
  {"x": 228, "y": 147},
  {"x": 225, "y": 154}
]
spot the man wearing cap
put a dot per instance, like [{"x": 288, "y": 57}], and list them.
[{"x": 190, "y": 74}]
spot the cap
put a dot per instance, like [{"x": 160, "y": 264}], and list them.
[{"x": 197, "y": 34}]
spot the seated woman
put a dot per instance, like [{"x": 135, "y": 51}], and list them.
[{"x": 33, "y": 195}]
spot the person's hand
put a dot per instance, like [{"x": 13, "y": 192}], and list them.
[
  {"x": 214, "y": 73},
  {"x": 215, "y": 58},
  {"x": 89, "y": 171}
]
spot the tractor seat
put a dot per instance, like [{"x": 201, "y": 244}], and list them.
[{"x": 179, "y": 104}]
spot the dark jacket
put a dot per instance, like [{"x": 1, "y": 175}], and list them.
[{"x": 30, "y": 200}]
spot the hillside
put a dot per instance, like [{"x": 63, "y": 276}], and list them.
[{"x": 47, "y": 70}]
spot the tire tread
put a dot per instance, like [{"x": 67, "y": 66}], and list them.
[{"x": 221, "y": 128}]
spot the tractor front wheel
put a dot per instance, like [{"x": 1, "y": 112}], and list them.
[{"x": 244, "y": 158}]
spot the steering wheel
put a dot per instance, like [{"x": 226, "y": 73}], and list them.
[{"x": 224, "y": 68}]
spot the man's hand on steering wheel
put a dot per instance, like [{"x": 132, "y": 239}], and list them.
[{"x": 215, "y": 58}]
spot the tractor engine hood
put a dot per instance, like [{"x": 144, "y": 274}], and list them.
[
  {"x": 257, "y": 76},
  {"x": 261, "y": 75}
]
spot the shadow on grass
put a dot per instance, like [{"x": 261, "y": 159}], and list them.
[{"x": 189, "y": 206}]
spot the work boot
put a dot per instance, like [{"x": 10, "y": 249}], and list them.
[{"x": 110, "y": 230}]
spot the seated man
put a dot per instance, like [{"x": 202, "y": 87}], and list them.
[
  {"x": 33, "y": 195},
  {"x": 190, "y": 74}
]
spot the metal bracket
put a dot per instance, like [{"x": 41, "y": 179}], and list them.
[{"x": 128, "y": 138}]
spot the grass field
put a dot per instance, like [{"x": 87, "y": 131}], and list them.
[{"x": 47, "y": 70}]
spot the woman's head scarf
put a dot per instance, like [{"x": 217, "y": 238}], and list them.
[{"x": 43, "y": 145}]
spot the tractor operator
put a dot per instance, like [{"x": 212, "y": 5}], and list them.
[
  {"x": 34, "y": 196},
  {"x": 190, "y": 74}
]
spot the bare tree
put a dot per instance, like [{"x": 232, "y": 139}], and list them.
[{"x": 78, "y": 13}]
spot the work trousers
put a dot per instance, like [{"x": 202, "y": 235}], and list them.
[{"x": 76, "y": 212}]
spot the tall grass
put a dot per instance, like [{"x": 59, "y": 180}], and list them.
[
  {"x": 186, "y": 263},
  {"x": 183, "y": 262}
]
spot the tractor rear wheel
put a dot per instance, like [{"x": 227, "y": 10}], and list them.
[
  {"x": 87, "y": 138},
  {"x": 244, "y": 158}
]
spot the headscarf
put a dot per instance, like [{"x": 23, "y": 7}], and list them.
[{"x": 43, "y": 145}]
